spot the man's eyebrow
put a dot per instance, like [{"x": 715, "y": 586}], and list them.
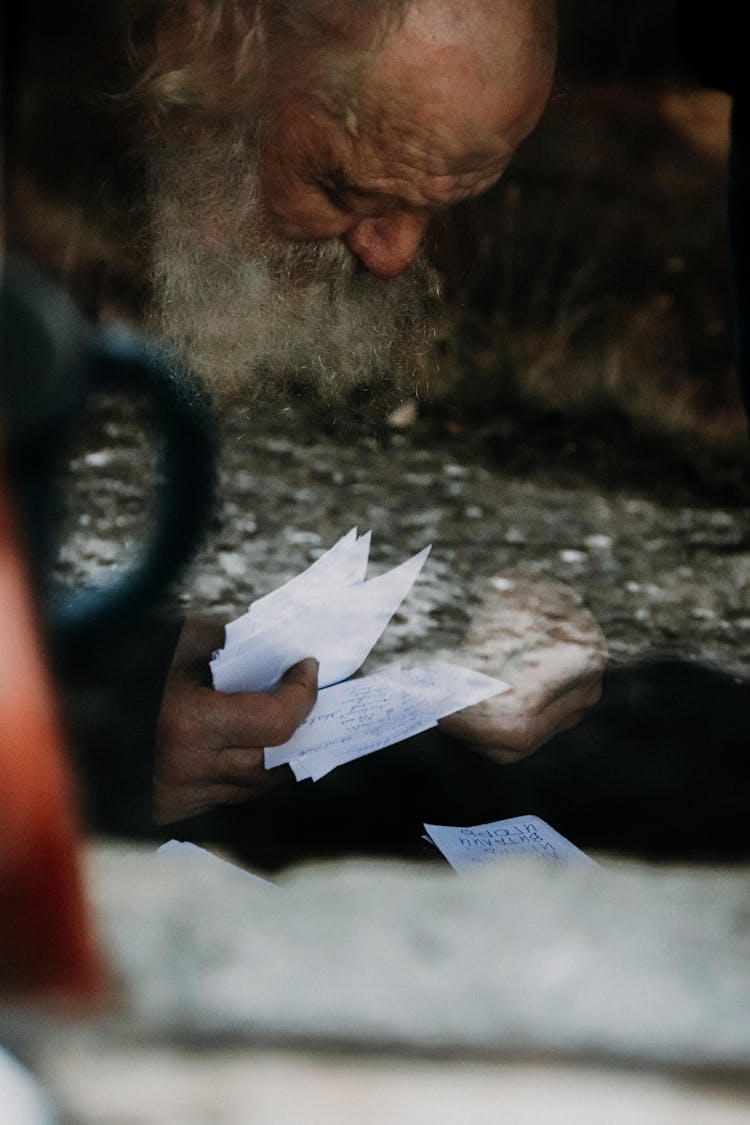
[
  {"x": 341, "y": 182},
  {"x": 341, "y": 185}
]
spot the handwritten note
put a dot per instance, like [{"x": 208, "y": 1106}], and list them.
[
  {"x": 358, "y": 717},
  {"x": 467, "y": 848}
]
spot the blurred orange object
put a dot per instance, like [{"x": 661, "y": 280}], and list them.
[{"x": 47, "y": 946}]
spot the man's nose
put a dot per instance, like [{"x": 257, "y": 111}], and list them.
[{"x": 386, "y": 245}]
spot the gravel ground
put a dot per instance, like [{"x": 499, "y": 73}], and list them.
[{"x": 663, "y": 578}]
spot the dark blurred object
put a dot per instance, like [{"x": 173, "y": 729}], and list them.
[
  {"x": 615, "y": 42},
  {"x": 739, "y": 228},
  {"x": 52, "y": 362},
  {"x": 47, "y": 945},
  {"x": 714, "y": 43},
  {"x": 69, "y": 154}
]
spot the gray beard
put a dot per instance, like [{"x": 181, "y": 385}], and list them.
[{"x": 250, "y": 313}]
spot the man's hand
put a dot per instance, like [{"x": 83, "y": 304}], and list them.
[
  {"x": 209, "y": 746},
  {"x": 535, "y": 634}
]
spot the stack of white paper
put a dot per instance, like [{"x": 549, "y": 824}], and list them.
[
  {"x": 333, "y": 613},
  {"x": 467, "y": 848}
]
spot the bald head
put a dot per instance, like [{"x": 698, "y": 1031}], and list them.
[
  {"x": 477, "y": 74},
  {"x": 317, "y": 24},
  {"x": 508, "y": 39}
]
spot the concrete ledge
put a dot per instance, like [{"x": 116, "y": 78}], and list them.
[
  {"x": 623, "y": 963},
  {"x": 235, "y": 1086}
]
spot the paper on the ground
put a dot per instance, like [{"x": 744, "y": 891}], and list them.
[
  {"x": 183, "y": 849},
  {"x": 468, "y": 848},
  {"x": 329, "y": 612},
  {"x": 356, "y": 718}
]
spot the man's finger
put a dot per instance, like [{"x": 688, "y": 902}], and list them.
[
  {"x": 245, "y": 766},
  {"x": 296, "y": 693},
  {"x": 200, "y": 636},
  {"x": 258, "y": 719},
  {"x": 304, "y": 674}
]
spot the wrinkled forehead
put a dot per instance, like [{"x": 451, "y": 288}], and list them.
[{"x": 470, "y": 85}]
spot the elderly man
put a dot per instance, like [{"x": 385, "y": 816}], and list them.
[
  {"x": 303, "y": 148},
  {"x": 294, "y": 153}
]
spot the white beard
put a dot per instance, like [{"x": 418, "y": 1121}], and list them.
[{"x": 247, "y": 311}]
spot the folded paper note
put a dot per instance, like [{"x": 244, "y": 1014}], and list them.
[
  {"x": 333, "y": 613},
  {"x": 358, "y": 717},
  {"x": 468, "y": 848},
  {"x": 329, "y": 612}
]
